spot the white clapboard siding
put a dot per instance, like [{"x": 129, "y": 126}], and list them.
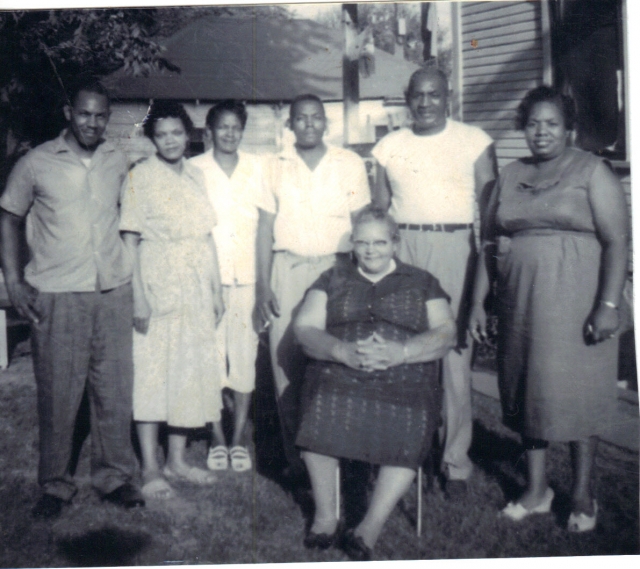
[
  {"x": 529, "y": 52},
  {"x": 483, "y": 11},
  {"x": 125, "y": 127},
  {"x": 266, "y": 124},
  {"x": 502, "y": 57},
  {"x": 519, "y": 47},
  {"x": 501, "y": 60}
]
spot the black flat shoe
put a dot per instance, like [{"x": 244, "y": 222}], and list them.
[
  {"x": 323, "y": 540},
  {"x": 355, "y": 547},
  {"x": 126, "y": 496},
  {"x": 48, "y": 507}
]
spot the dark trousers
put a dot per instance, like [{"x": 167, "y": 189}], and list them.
[{"x": 84, "y": 340}]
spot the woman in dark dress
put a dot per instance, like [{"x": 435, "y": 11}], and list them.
[
  {"x": 375, "y": 329},
  {"x": 558, "y": 227}
]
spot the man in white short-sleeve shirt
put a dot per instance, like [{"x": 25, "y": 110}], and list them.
[
  {"x": 312, "y": 192},
  {"x": 431, "y": 176},
  {"x": 76, "y": 293}
]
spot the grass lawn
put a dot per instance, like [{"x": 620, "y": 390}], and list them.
[{"x": 251, "y": 517}]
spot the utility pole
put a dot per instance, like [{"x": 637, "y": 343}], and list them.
[
  {"x": 350, "y": 74},
  {"x": 429, "y": 31}
]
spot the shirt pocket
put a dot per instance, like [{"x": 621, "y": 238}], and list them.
[{"x": 332, "y": 203}]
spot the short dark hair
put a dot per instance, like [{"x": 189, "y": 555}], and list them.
[
  {"x": 233, "y": 106},
  {"x": 374, "y": 213},
  {"x": 88, "y": 85},
  {"x": 426, "y": 72},
  {"x": 546, "y": 94},
  {"x": 303, "y": 99},
  {"x": 165, "y": 110}
]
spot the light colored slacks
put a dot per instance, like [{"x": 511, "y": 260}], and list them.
[
  {"x": 291, "y": 276},
  {"x": 236, "y": 339},
  {"x": 448, "y": 257}
]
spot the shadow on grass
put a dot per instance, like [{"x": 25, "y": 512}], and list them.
[
  {"x": 500, "y": 457},
  {"x": 270, "y": 458},
  {"x": 18, "y": 332},
  {"x": 269, "y": 450},
  {"x": 503, "y": 459},
  {"x": 108, "y": 546}
]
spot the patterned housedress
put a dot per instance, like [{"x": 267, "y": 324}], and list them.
[
  {"x": 177, "y": 372},
  {"x": 383, "y": 417},
  {"x": 553, "y": 385}
]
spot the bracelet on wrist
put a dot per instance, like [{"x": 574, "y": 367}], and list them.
[{"x": 609, "y": 304}]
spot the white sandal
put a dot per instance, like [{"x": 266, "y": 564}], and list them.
[
  {"x": 581, "y": 522},
  {"x": 240, "y": 458},
  {"x": 516, "y": 512},
  {"x": 218, "y": 458}
]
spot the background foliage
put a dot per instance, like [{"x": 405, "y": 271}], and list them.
[{"x": 41, "y": 51}]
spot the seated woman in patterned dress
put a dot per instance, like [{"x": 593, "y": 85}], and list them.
[
  {"x": 166, "y": 221},
  {"x": 375, "y": 329}
]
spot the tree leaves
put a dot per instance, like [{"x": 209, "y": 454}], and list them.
[{"x": 42, "y": 50}]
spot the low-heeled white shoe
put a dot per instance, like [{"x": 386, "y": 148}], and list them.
[
  {"x": 516, "y": 511},
  {"x": 582, "y": 522}
]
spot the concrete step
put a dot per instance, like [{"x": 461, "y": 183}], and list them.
[{"x": 624, "y": 430}]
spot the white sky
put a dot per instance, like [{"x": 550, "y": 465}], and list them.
[{"x": 310, "y": 11}]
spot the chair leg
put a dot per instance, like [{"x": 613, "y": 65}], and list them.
[
  {"x": 338, "y": 491},
  {"x": 4, "y": 351},
  {"x": 419, "y": 520}
]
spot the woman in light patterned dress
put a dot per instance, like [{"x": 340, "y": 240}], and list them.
[{"x": 166, "y": 221}]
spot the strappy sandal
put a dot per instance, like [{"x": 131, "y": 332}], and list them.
[
  {"x": 194, "y": 475},
  {"x": 516, "y": 512},
  {"x": 157, "y": 489},
  {"x": 218, "y": 458},
  {"x": 240, "y": 458}
]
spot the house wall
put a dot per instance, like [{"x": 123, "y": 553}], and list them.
[
  {"x": 505, "y": 51},
  {"x": 502, "y": 58},
  {"x": 265, "y": 130}
]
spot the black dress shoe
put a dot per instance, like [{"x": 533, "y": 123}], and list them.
[
  {"x": 323, "y": 540},
  {"x": 355, "y": 547},
  {"x": 48, "y": 507},
  {"x": 126, "y": 496}
]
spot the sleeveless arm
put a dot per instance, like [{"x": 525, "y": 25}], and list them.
[{"x": 611, "y": 219}]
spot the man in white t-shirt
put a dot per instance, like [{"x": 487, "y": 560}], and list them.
[
  {"x": 431, "y": 176},
  {"x": 313, "y": 190}
]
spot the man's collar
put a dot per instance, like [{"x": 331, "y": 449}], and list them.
[
  {"x": 289, "y": 152},
  {"x": 61, "y": 144},
  {"x": 447, "y": 126}
]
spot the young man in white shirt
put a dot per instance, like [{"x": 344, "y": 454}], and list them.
[{"x": 313, "y": 191}]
